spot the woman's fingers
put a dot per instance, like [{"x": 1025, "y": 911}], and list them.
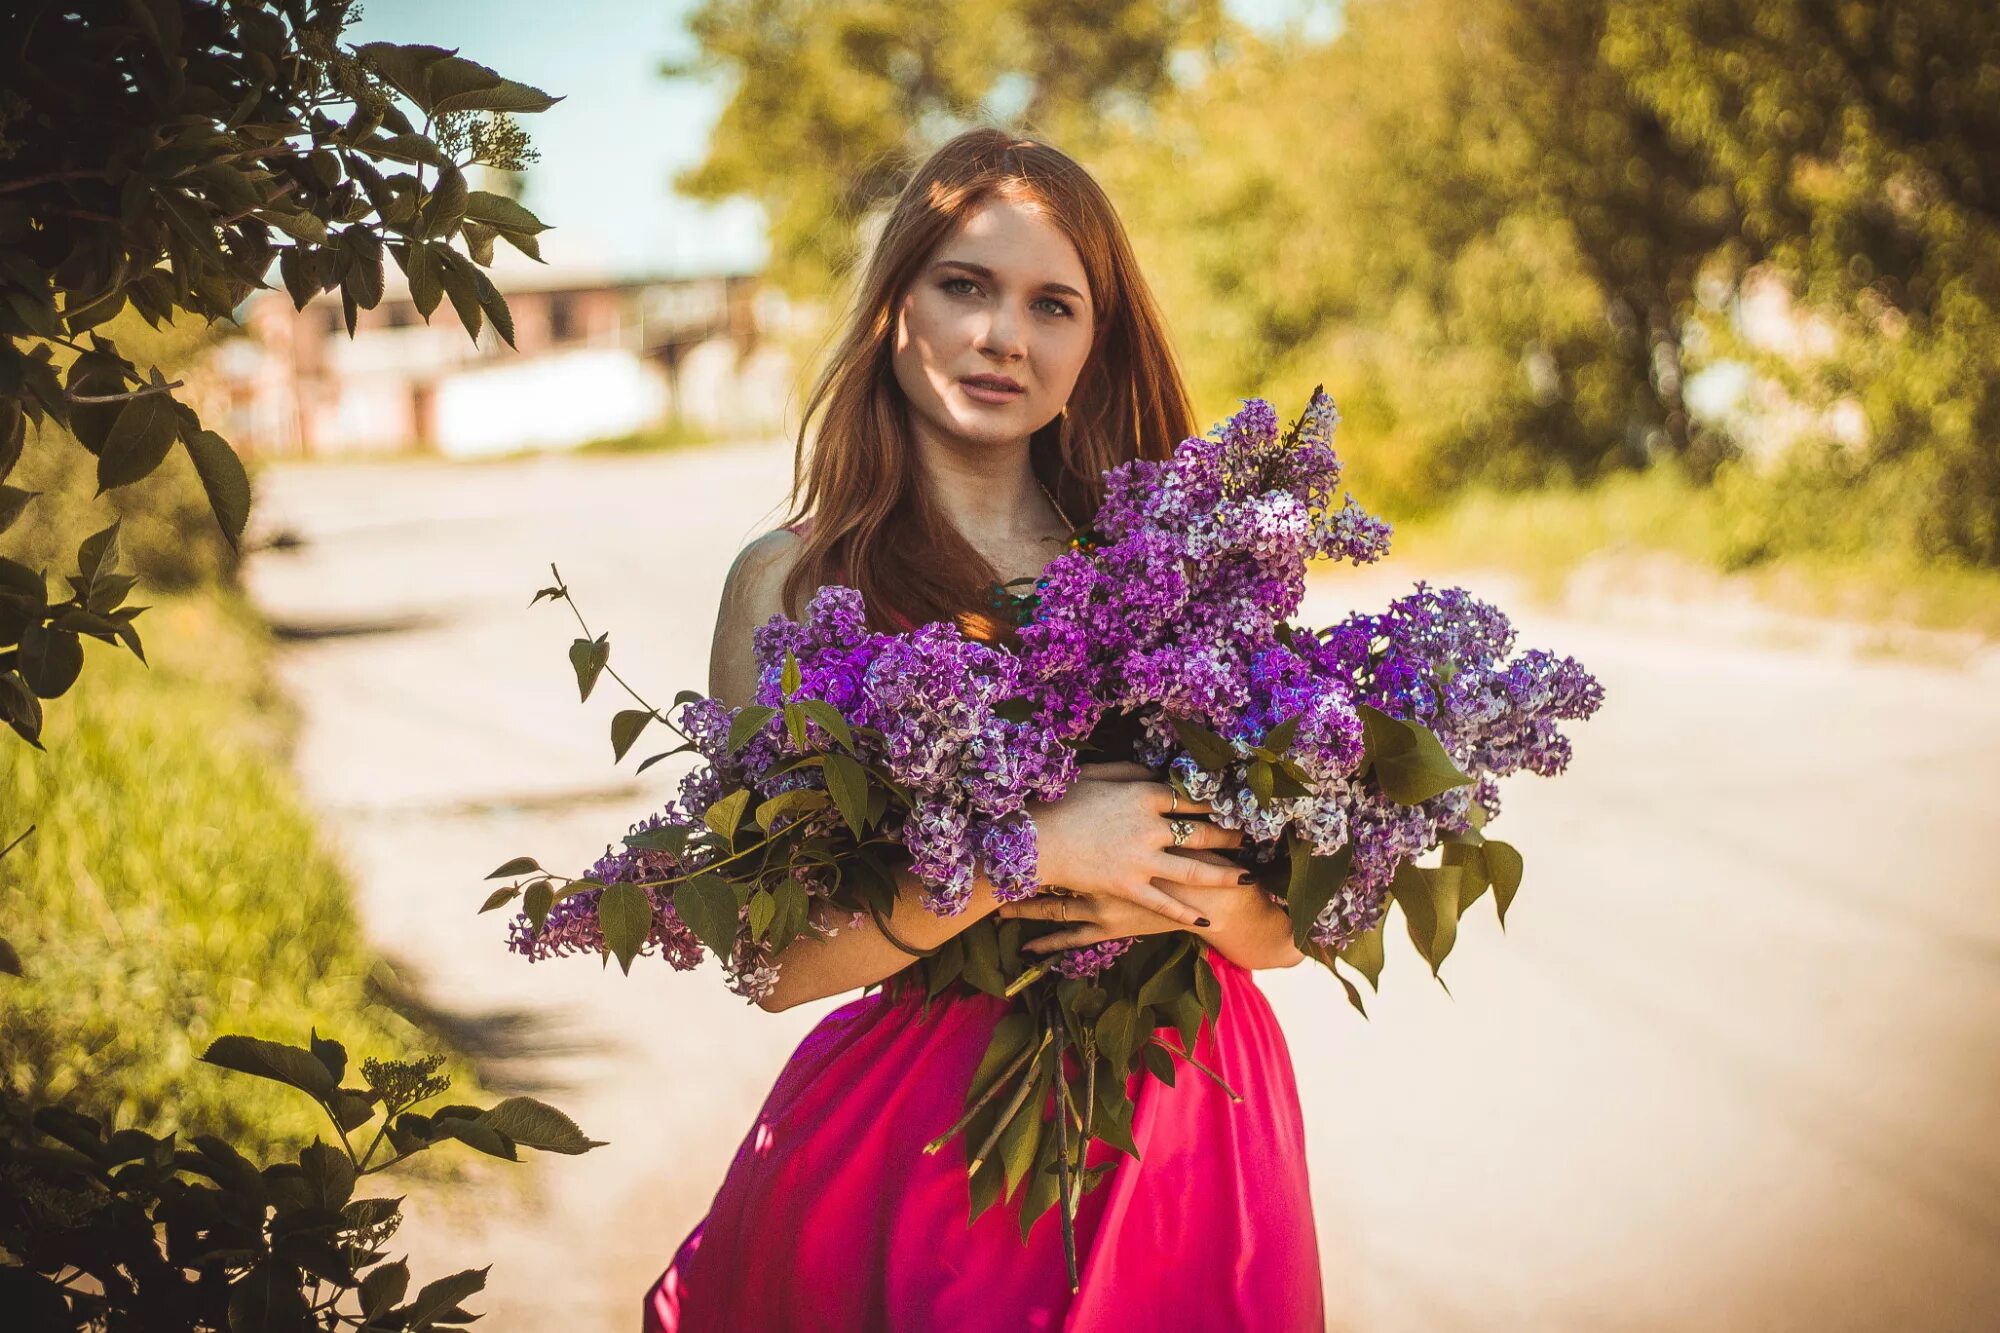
[
  {"x": 1202, "y": 835},
  {"x": 1064, "y": 939},
  {"x": 1156, "y": 899},
  {"x": 1174, "y": 805},
  {"x": 1201, "y": 874},
  {"x": 1047, "y": 907}
]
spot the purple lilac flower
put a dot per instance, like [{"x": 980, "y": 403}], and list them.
[{"x": 571, "y": 925}]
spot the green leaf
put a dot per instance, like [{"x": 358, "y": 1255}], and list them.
[
  {"x": 499, "y": 898},
  {"x": 352, "y": 1108},
  {"x": 331, "y": 1054},
  {"x": 1409, "y": 763},
  {"x": 625, "y": 915},
  {"x": 383, "y": 1287},
  {"x": 458, "y": 276},
  {"x": 425, "y": 272},
  {"x": 536, "y": 901},
  {"x": 534, "y": 1124},
  {"x": 1365, "y": 955},
  {"x": 267, "y": 1299},
  {"x": 723, "y": 816},
  {"x": 1279, "y": 738},
  {"x": 445, "y": 207},
  {"x": 139, "y": 440},
  {"x": 1118, "y": 1034},
  {"x": 1315, "y": 881},
  {"x": 49, "y": 659},
  {"x": 273, "y": 1060},
  {"x": 1262, "y": 782},
  {"x": 708, "y": 904},
  {"x": 1206, "y": 748},
  {"x": 1022, "y": 1138},
  {"x": 829, "y": 720},
  {"x": 1160, "y": 1062},
  {"x": 520, "y": 865},
  {"x": 12, "y": 501},
  {"x": 848, "y": 782},
  {"x": 437, "y": 1298},
  {"x": 473, "y": 1134},
  {"x": 502, "y": 214},
  {"x": 589, "y": 657},
  {"x": 625, "y": 729},
  {"x": 328, "y": 1172},
  {"x": 789, "y": 676},
  {"x": 1470, "y": 859},
  {"x": 224, "y": 481},
  {"x": 1504, "y": 864},
  {"x": 749, "y": 720},
  {"x": 1429, "y": 899},
  {"x": 762, "y": 908}
]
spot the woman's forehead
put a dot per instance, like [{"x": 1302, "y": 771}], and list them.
[{"x": 1014, "y": 240}]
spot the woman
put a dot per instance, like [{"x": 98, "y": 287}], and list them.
[{"x": 1004, "y": 351}]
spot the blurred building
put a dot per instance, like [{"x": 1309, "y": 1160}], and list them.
[{"x": 593, "y": 359}]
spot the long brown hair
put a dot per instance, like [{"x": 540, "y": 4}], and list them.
[{"x": 859, "y": 497}]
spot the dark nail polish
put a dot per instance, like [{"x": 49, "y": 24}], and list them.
[
  {"x": 1246, "y": 878},
  {"x": 1203, "y": 922}
]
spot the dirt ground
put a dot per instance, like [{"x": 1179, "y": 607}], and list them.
[{"x": 1733, "y": 1066}]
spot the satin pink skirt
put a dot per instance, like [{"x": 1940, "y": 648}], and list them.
[{"x": 832, "y": 1218}]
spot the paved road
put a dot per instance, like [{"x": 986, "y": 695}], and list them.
[{"x": 1734, "y": 1066}]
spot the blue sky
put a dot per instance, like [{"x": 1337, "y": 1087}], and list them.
[{"x": 611, "y": 148}]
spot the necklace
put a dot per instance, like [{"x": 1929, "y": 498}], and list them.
[{"x": 1019, "y": 606}]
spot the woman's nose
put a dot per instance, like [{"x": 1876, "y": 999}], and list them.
[{"x": 1002, "y": 333}]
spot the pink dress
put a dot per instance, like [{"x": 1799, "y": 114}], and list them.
[{"x": 832, "y": 1218}]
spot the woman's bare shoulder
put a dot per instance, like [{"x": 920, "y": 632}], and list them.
[{"x": 757, "y": 576}]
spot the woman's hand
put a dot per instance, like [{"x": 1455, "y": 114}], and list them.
[{"x": 1111, "y": 839}]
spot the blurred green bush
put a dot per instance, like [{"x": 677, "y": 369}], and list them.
[{"x": 174, "y": 890}]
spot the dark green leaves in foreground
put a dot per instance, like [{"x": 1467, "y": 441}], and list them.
[{"x": 190, "y": 1226}]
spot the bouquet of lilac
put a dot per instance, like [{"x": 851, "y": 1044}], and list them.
[
  {"x": 859, "y": 744},
  {"x": 1164, "y": 635}
]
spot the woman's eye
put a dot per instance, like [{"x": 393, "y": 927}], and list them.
[{"x": 967, "y": 287}]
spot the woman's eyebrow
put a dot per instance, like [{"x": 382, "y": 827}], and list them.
[{"x": 987, "y": 274}]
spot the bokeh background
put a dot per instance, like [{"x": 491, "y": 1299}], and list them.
[{"x": 1673, "y": 326}]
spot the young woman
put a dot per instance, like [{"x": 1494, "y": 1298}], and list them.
[{"x": 1003, "y": 352}]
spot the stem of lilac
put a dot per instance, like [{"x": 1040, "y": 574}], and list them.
[
  {"x": 1234, "y": 1096},
  {"x": 1013, "y": 1108},
  {"x": 1027, "y": 978},
  {"x": 1065, "y": 1202},
  {"x": 992, "y": 1091},
  {"x": 657, "y": 714}
]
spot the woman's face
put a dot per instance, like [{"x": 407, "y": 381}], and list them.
[{"x": 995, "y": 328}]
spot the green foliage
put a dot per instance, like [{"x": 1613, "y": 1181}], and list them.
[
  {"x": 174, "y": 889},
  {"x": 160, "y": 158},
  {"x": 1518, "y": 227},
  {"x": 108, "y": 1229},
  {"x": 833, "y": 97}
]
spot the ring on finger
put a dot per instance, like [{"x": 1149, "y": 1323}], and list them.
[
  {"x": 1062, "y": 909},
  {"x": 1173, "y": 800},
  {"x": 1182, "y": 829}
]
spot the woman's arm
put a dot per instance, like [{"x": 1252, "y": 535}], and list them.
[{"x": 859, "y": 955}]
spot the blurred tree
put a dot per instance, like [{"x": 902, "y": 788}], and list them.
[
  {"x": 1861, "y": 139},
  {"x": 831, "y": 98}
]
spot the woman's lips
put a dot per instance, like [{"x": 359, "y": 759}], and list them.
[{"x": 980, "y": 392}]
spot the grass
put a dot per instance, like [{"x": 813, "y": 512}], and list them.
[
  {"x": 174, "y": 890},
  {"x": 1547, "y": 535}
]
